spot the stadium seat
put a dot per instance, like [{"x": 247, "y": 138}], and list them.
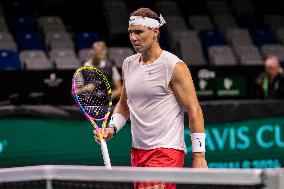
[
  {"x": 222, "y": 56},
  {"x": 3, "y": 25},
  {"x": 238, "y": 37},
  {"x": 61, "y": 44},
  {"x": 51, "y": 24},
  {"x": 9, "y": 60},
  {"x": 250, "y": 60},
  {"x": 224, "y": 21},
  {"x": 262, "y": 36},
  {"x": 211, "y": 37},
  {"x": 7, "y": 41},
  {"x": 188, "y": 46},
  {"x": 249, "y": 55},
  {"x": 53, "y": 28},
  {"x": 61, "y": 53},
  {"x": 175, "y": 23},
  {"x": 118, "y": 54},
  {"x": 179, "y": 35},
  {"x": 5, "y": 45},
  {"x": 66, "y": 63},
  {"x": 30, "y": 40},
  {"x": 50, "y": 36},
  {"x": 200, "y": 22},
  {"x": 59, "y": 40},
  {"x": 6, "y": 36},
  {"x": 50, "y": 20},
  {"x": 38, "y": 63},
  {"x": 168, "y": 7},
  {"x": 190, "y": 51},
  {"x": 31, "y": 54},
  {"x": 84, "y": 40}
]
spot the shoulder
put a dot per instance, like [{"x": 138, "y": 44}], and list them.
[
  {"x": 171, "y": 58},
  {"x": 171, "y": 61},
  {"x": 130, "y": 59}
]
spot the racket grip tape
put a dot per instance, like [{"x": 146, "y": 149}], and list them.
[{"x": 105, "y": 154}]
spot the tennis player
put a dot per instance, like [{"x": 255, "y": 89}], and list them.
[{"x": 157, "y": 89}]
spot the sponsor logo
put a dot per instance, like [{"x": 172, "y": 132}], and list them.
[{"x": 53, "y": 81}]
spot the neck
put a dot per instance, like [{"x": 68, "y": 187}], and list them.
[
  {"x": 95, "y": 61},
  {"x": 153, "y": 53}
]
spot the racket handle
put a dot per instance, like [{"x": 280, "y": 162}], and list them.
[{"x": 105, "y": 154}]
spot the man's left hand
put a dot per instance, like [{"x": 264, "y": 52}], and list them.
[{"x": 199, "y": 160}]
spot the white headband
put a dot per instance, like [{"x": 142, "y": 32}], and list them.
[{"x": 146, "y": 21}]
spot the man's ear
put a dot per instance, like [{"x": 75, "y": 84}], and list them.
[{"x": 156, "y": 32}]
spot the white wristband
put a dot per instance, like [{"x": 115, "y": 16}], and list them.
[
  {"x": 198, "y": 142},
  {"x": 118, "y": 121}
]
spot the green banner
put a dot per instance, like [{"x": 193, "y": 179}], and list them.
[
  {"x": 221, "y": 87},
  {"x": 255, "y": 143}
]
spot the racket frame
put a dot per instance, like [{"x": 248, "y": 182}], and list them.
[{"x": 90, "y": 118}]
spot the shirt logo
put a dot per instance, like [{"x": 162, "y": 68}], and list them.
[{"x": 152, "y": 72}]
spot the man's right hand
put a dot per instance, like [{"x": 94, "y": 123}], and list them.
[{"x": 108, "y": 134}]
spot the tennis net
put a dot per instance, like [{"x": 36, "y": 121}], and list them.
[{"x": 87, "y": 177}]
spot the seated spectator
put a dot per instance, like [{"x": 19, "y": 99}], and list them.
[
  {"x": 99, "y": 59},
  {"x": 271, "y": 82}
]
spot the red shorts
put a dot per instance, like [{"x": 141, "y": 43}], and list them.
[{"x": 159, "y": 157}]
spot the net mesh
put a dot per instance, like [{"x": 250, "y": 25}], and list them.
[
  {"x": 92, "y": 93},
  {"x": 84, "y": 177}
]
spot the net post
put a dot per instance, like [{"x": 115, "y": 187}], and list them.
[{"x": 49, "y": 184}]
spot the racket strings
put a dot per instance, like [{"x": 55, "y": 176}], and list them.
[{"x": 94, "y": 97}]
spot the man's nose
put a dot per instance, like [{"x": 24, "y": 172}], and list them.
[{"x": 133, "y": 37}]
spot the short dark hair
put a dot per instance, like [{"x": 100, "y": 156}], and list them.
[{"x": 146, "y": 12}]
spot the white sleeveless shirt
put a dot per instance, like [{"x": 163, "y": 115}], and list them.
[{"x": 157, "y": 118}]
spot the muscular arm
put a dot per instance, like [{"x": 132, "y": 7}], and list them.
[{"x": 183, "y": 87}]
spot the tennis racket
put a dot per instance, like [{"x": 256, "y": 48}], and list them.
[{"x": 92, "y": 93}]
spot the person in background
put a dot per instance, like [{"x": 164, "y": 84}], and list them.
[
  {"x": 270, "y": 84},
  {"x": 100, "y": 60}
]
